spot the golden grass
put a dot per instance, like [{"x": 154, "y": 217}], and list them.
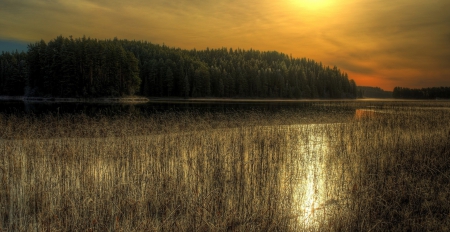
[{"x": 243, "y": 171}]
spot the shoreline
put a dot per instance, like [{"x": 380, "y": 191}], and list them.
[
  {"x": 80, "y": 100},
  {"x": 140, "y": 100}
]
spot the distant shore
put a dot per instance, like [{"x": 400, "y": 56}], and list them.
[
  {"x": 140, "y": 99},
  {"x": 134, "y": 99}
]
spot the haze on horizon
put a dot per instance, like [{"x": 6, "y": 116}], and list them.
[{"x": 377, "y": 42}]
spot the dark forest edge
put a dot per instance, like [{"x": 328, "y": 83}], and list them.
[
  {"x": 91, "y": 68},
  {"x": 423, "y": 93},
  {"x": 374, "y": 92}
]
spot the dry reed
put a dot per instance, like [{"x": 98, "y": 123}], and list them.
[{"x": 243, "y": 171}]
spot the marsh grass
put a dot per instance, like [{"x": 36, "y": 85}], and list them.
[{"x": 243, "y": 171}]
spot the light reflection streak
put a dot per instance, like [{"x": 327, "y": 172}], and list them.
[
  {"x": 311, "y": 177},
  {"x": 313, "y": 186}
]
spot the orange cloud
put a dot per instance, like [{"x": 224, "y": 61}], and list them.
[{"x": 381, "y": 43}]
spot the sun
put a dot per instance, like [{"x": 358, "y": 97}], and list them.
[{"x": 313, "y": 4}]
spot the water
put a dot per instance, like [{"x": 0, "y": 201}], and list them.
[
  {"x": 20, "y": 107},
  {"x": 155, "y": 107},
  {"x": 322, "y": 106}
]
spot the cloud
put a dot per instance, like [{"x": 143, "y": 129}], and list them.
[{"x": 389, "y": 41}]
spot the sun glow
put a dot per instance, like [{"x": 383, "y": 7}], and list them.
[{"x": 312, "y": 4}]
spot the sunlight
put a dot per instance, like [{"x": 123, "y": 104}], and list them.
[
  {"x": 314, "y": 195},
  {"x": 312, "y": 4}
]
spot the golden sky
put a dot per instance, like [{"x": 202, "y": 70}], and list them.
[{"x": 383, "y": 43}]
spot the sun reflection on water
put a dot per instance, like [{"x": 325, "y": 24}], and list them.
[{"x": 313, "y": 190}]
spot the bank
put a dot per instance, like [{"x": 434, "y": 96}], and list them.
[{"x": 131, "y": 99}]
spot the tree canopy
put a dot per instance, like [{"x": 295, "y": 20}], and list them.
[{"x": 85, "y": 67}]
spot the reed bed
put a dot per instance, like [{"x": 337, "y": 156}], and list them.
[{"x": 242, "y": 171}]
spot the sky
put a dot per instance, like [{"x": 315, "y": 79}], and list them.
[{"x": 384, "y": 43}]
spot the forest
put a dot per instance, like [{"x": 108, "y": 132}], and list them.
[
  {"x": 373, "y": 92},
  {"x": 86, "y": 67},
  {"x": 423, "y": 93}
]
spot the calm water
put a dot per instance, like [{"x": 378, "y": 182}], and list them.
[{"x": 93, "y": 109}]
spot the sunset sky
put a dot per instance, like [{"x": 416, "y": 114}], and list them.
[{"x": 383, "y": 43}]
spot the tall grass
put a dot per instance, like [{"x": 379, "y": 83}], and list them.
[
  {"x": 402, "y": 161},
  {"x": 243, "y": 171}
]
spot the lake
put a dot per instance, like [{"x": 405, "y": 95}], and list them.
[
  {"x": 20, "y": 107},
  {"x": 238, "y": 166}
]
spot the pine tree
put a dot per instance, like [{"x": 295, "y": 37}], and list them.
[{"x": 169, "y": 82}]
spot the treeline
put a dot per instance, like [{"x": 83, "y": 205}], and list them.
[
  {"x": 67, "y": 67},
  {"x": 424, "y": 93},
  {"x": 85, "y": 67},
  {"x": 374, "y": 92}
]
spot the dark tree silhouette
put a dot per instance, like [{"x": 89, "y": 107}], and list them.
[
  {"x": 85, "y": 67},
  {"x": 424, "y": 93}
]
